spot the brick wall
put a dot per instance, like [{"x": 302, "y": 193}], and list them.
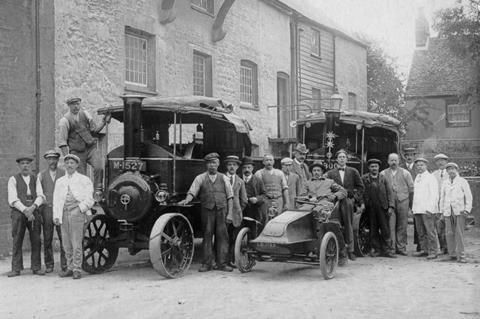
[
  {"x": 90, "y": 53},
  {"x": 351, "y": 71}
]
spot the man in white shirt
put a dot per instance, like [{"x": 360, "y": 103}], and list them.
[
  {"x": 424, "y": 208},
  {"x": 24, "y": 201},
  {"x": 441, "y": 176},
  {"x": 455, "y": 204},
  {"x": 72, "y": 201}
]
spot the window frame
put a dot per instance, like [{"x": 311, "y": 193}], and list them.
[
  {"x": 247, "y": 64},
  {"x": 209, "y": 7},
  {"x": 207, "y": 73},
  {"x": 316, "y": 102},
  {"x": 468, "y": 112},
  {"x": 316, "y": 48},
  {"x": 353, "y": 95}
]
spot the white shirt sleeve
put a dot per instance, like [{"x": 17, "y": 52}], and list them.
[
  {"x": 468, "y": 195},
  {"x": 13, "y": 199},
  {"x": 40, "y": 194},
  {"x": 63, "y": 127},
  {"x": 87, "y": 200}
]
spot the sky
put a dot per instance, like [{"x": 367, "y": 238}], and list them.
[{"x": 389, "y": 22}]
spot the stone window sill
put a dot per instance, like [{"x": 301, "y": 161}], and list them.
[
  {"x": 247, "y": 106},
  {"x": 129, "y": 88}
]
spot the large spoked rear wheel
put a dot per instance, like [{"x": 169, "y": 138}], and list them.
[
  {"x": 99, "y": 250},
  {"x": 171, "y": 245},
  {"x": 243, "y": 260},
  {"x": 329, "y": 255}
]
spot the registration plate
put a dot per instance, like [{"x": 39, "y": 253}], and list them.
[
  {"x": 267, "y": 245},
  {"x": 130, "y": 165}
]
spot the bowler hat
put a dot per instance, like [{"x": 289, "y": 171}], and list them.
[
  {"x": 24, "y": 158},
  {"x": 211, "y": 156},
  {"x": 440, "y": 156},
  {"x": 286, "y": 161},
  {"x": 51, "y": 153},
  {"x": 421, "y": 159},
  {"x": 247, "y": 161},
  {"x": 232, "y": 158},
  {"x": 302, "y": 148},
  {"x": 318, "y": 164},
  {"x": 373, "y": 161},
  {"x": 71, "y": 156},
  {"x": 451, "y": 164},
  {"x": 73, "y": 100}
]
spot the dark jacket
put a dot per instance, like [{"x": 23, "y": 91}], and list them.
[
  {"x": 352, "y": 182},
  {"x": 255, "y": 188},
  {"x": 381, "y": 192},
  {"x": 239, "y": 201}
]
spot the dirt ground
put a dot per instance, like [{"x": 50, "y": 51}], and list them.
[{"x": 366, "y": 288}]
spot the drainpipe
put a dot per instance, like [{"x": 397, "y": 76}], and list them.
[
  {"x": 38, "y": 93},
  {"x": 334, "y": 62}
]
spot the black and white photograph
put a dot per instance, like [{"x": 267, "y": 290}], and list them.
[{"x": 224, "y": 159}]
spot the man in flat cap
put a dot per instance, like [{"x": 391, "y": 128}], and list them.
[
  {"x": 46, "y": 181},
  {"x": 402, "y": 184},
  {"x": 441, "y": 176},
  {"x": 256, "y": 195},
  {"x": 349, "y": 178},
  {"x": 299, "y": 166},
  {"x": 72, "y": 201},
  {"x": 24, "y": 201},
  {"x": 293, "y": 181},
  {"x": 424, "y": 208},
  {"x": 275, "y": 184},
  {"x": 216, "y": 198},
  {"x": 234, "y": 221},
  {"x": 76, "y": 135},
  {"x": 409, "y": 165},
  {"x": 379, "y": 204},
  {"x": 455, "y": 204}
]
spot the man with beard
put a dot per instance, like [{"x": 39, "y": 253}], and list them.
[
  {"x": 379, "y": 203},
  {"x": 256, "y": 194},
  {"x": 45, "y": 185},
  {"x": 441, "y": 176},
  {"x": 349, "y": 178},
  {"x": 402, "y": 186},
  {"x": 276, "y": 186},
  {"x": 216, "y": 198},
  {"x": 299, "y": 166}
]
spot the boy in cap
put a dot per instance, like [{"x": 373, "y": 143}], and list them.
[
  {"x": 293, "y": 181},
  {"x": 72, "y": 201},
  {"x": 76, "y": 131},
  {"x": 275, "y": 184},
  {"x": 441, "y": 176},
  {"x": 46, "y": 180},
  {"x": 216, "y": 198},
  {"x": 379, "y": 203},
  {"x": 256, "y": 193},
  {"x": 24, "y": 201},
  {"x": 424, "y": 208},
  {"x": 455, "y": 205},
  {"x": 234, "y": 220}
]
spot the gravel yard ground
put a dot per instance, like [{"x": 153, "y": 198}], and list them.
[{"x": 405, "y": 287}]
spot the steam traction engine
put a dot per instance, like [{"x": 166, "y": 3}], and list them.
[{"x": 165, "y": 140}]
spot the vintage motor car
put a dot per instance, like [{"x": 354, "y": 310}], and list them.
[
  {"x": 305, "y": 235},
  {"x": 362, "y": 134},
  {"x": 165, "y": 140}
]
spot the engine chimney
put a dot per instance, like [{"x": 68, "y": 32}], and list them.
[{"x": 132, "y": 125}]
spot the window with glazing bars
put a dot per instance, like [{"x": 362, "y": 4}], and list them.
[
  {"x": 458, "y": 115},
  {"x": 135, "y": 59},
  {"x": 199, "y": 72},
  {"x": 248, "y": 82}
]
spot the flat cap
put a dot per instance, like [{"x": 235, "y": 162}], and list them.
[
  {"x": 286, "y": 161},
  {"x": 302, "y": 148},
  {"x": 24, "y": 158},
  {"x": 374, "y": 161},
  {"x": 341, "y": 151},
  {"x": 211, "y": 157},
  {"x": 318, "y": 164},
  {"x": 247, "y": 161},
  {"x": 421, "y": 159},
  {"x": 73, "y": 100},
  {"x": 440, "y": 156},
  {"x": 232, "y": 158},
  {"x": 71, "y": 156},
  {"x": 51, "y": 153},
  {"x": 451, "y": 164},
  {"x": 409, "y": 150}
]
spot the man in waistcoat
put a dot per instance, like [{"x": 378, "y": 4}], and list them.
[
  {"x": 216, "y": 198},
  {"x": 256, "y": 195},
  {"x": 46, "y": 180},
  {"x": 349, "y": 178},
  {"x": 72, "y": 203},
  {"x": 76, "y": 131},
  {"x": 24, "y": 201},
  {"x": 409, "y": 165},
  {"x": 402, "y": 186},
  {"x": 234, "y": 221},
  {"x": 293, "y": 181},
  {"x": 441, "y": 175},
  {"x": 379, "y": 203},
  {"x": 275, "y": 185},
  {"x": 299, "y": 166}
]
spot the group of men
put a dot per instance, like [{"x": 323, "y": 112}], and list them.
[{"x": 56, "y": 199}]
